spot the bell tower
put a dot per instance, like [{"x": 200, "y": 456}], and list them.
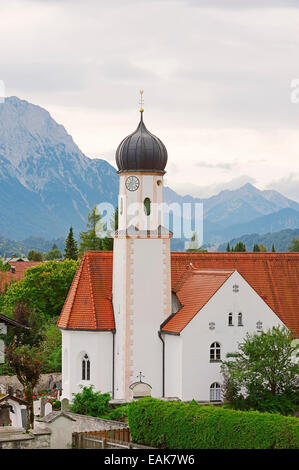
[{"x": 141, "y": 262}]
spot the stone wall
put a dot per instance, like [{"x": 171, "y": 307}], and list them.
[
  {"x": 35, "y": 439},
  {"x": 89, "y": 423},
  {"x": 12, "y": 381}
]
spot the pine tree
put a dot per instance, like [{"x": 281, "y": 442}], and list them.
[
  {"x": 71, "y": 247},
  {"x": 273, "y": 248},
  {"x": 240, "y": 246},
  {"x": 89, "y": 240},
  {"x": 256, "y": 248},
  {"x": 227, "y": 247}
]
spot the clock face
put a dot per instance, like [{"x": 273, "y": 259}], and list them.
[{"x": 132, "y": 183}]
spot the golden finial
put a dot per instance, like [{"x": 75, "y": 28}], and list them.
[{"x": 141, "y": 101}]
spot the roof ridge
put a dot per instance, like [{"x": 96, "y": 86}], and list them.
[
  {"x": 75, "y": 283},
  {"x": 91, "y": 291}
]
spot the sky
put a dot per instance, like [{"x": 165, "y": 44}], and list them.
[{"x": 220, "y": 81}]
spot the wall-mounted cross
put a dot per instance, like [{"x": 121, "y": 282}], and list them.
[{"x": 140, "y": 375}]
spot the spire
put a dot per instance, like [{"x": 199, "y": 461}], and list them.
[{"x": 141, "y": 102}]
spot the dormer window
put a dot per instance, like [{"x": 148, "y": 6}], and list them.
[{"x": 230, "y": 319}]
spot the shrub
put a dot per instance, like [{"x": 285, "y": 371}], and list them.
[
  {"x": 90, "y": 403},
  {"x": 176, "y": 425},
  {"x": 119, "y": 413},
  {"x": 283, "y": 404}
]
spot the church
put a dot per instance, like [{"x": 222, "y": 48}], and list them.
[{"x": 143, "y": 320}]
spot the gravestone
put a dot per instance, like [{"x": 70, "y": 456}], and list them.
[
  {"x": 42, "y": 406},
  {"x": 64, "y": 404},
  {"x": 50, "y": 385},
  {"x": 4, "y": 415},
  {"x": 48, "y": 408},
  {"x": 24, "y": 417}
]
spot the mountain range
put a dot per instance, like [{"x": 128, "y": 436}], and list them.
[
  {"x": 281, "y": 240},
  {"x": 47, "y": 184}
]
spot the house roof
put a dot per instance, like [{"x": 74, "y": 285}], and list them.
[
  {"x": 20, "y": 267},
  {"x": 89, "y": 302},
  {"x": 194, "y": 289},
  {"x": 10, "y": 321},
  {"x": 274, "y": 276},
  {"x": 13, "y": 398},
  {"x": 49, "y": 418}
]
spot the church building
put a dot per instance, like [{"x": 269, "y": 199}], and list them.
[{"x": 143, "y": 315}]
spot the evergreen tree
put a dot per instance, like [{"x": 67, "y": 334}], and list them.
[
  {"x": 240, "y": 247},
  {"x": 89, "y": 240},
  {"x": 295, "y": 245},
  {"x": 228, "y": 248},
  {"x": 107, "y": 242},
  {"x": 256, "y": 248},
  {"x": 71, "y": 247},
  {"x": 273, "y": 248}
]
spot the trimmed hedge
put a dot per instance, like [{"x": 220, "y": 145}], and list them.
[{"x": 177, "y": 425}]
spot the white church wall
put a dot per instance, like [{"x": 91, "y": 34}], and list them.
[
  {"x": 148, "y": 306},
  {"x": 98, "y": 345},
  {"x": 173, "y": 366},
  {"x": 198, "y": 373},
  {"x": 119, "y": 305}
]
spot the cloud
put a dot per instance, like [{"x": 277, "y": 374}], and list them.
[
  {"x": 288, "y": 186},
  {"x": 222, "y": 166},
  {"x": 216, "y": 76}
]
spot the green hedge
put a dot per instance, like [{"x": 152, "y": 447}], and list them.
[{"x": 176, "y": 425}]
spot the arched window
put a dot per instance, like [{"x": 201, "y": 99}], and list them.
[
  {"x": 240, "y": 323},
  {"x": 85, "y": 368},
  {"x": 215, "y": 352},
  {"x": 147, "y": 206},
  {"x": 230, "y": 319},
  {"x": 215, "y": 392}
]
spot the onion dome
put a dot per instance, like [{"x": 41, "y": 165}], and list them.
[{"x": 141, "y": 151}]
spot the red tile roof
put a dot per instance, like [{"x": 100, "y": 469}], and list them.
[
  {"x": 274, "y": 276},
  {"x": 196, "y": 288},
  {"x": 20, "y": 267},
  {"x": 88, "y": 305}
]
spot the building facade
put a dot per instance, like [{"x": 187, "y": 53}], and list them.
[{"x": 166, "y": 318}]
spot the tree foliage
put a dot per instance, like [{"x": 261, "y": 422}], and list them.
[
  {"x": 71, "y": 248},
  {"x": 89, "y": 240},
  {"x": 27, "y": 362},
  {"x": 43, "y": 288},
  {"x": 294, "y": 247},
  {"x": 35, "y": 256},
  {"x": 91, "y": 403},
  {"x": 53, "y": 254},
  {"x": 264, "y": 366}
]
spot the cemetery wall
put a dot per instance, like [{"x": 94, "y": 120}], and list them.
[
  {"x": 12, "y": 381},
  {"x": 35, "y": 439}
]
